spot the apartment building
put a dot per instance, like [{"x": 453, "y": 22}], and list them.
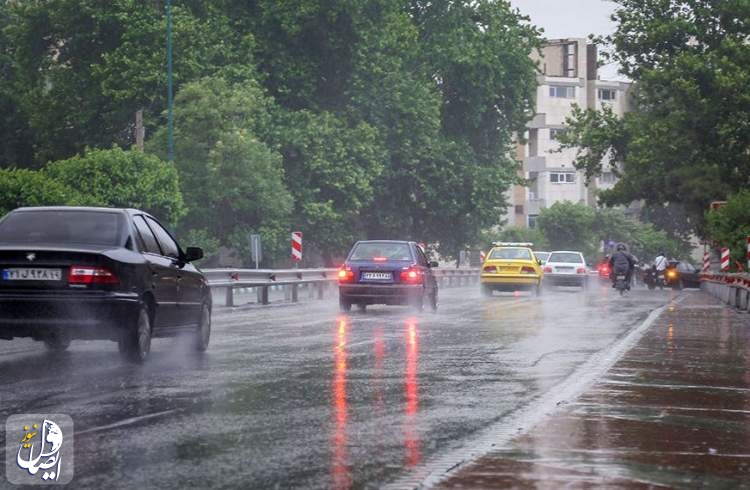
[{"x": 568, "y": 78}]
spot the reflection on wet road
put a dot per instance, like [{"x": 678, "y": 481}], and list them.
[{"x": 302, "y": 396}]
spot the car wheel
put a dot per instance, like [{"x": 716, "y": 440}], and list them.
[
  {"x": 434, "y": 300},
  {"x": 136, "y": 344},
  {"x": 486, "y": 291},
  {"x": 203, "y": 334},
  {"x": 362, "y": 307},
  {"x": 344, "y": 304},
  {"x": 57, "y": 342}
]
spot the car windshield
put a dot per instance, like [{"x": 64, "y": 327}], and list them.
[
  {"x": 381, "y": 250},
  {"x": 570, "y": 257},
  {"x": 510, "y": 254},
  {"x": 62, "y": 228}
]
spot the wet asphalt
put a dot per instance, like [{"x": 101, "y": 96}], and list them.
[{"x": 302, "y": 396}]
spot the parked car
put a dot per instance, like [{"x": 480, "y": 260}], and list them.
[
  {"x": 566, "y": 268},
  {"x": 511, "y": 267},
  {"x": 389, "y": 272},
  {"x": 98, "y": 273},
  {"x": 680, "y": 274}
]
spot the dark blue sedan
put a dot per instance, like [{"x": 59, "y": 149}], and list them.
[{"x": 387, "y": 272}]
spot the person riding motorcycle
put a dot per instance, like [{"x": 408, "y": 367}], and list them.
[
  {"x": 660, "y": 262},
  {"x": 621, "y": 262}
]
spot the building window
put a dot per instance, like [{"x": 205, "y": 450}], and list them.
[
  {"x": 562, "y": 177},
  {"x": 531, "y": 220},
  {"x": 519, "y": 208},
  {"x": 607, "y": 178},
  {"x": 562, "y": 91},
  {"x": 607, "y": 94},
  {"x": 555, "y": 132}
]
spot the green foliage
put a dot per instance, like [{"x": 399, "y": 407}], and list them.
[
  {"x": 575, "y": 226},
  {"x": 687, "y": 141},
  {"x": 729, "y": 226},
  {"x": 21, "y": 187},
  {"x": 119, "y": 178},
  {"x": 231, "y": 181},
  {"x": 518, "y": 234},
  {"x": 200, "y": 238}
]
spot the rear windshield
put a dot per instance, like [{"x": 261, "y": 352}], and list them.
[
  {"x": 510, "y": 254},
  {"x": 382, "y": 250},
  {"x": 565, "y": 257},
  {"x": 541, "y": 255},
  {"x": 62, "y": 228}
]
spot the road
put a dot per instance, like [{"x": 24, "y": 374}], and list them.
[{"x": 303, "y": 396}]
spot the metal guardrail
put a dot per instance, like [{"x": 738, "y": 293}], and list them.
[
  {"x": 319, "y": 281},
  {"x": 732, "y": 289}
]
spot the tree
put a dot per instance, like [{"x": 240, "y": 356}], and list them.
[
  {"x": 729, "y": 226},
  {"x": 22, "y": 187},
  {"x": 569, "y": 226},
  {"x": 687, "y": 141},
  {"x": 518, "y": 234},
  {"x": 232, "y": 182},
  {"x": 82, "y": 68},
  {"x": 120, "y": 178}
]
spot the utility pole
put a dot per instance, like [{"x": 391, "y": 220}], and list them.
[
  {"x": 170, "y": 101},
  {"x": 140, "y": 132}
]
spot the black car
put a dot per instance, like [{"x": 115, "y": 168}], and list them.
[
  {"x": 387, "y": 272},
  {"x": 98, "y": 273},
  {"x": 680, "y": 274}
]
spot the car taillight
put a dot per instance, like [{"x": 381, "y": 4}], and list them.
[
  {"x": 411, "y": 275},
  {"x": 83, "y": 274},
  {"x": 379, "y": 259},
  {"x": 346, "y": 274},
  {"x": 527, "y": 270},
  {"x": 581, "y": 270},
  {"x": 547, "y": 269},
  {"x": 490, "y": 268}
]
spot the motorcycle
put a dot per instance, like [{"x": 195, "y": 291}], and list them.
[
  {"x": 620, "y": 283},
  {"x": 653, "y": 278}
]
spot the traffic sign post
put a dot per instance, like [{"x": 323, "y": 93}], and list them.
[
  {"x": 297, "y": 246},
  {"x": 256, "y": 249}
]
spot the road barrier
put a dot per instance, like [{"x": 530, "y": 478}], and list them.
[
  {"x": 318, "y": 282},
  {"x": 732, "y": 289}
]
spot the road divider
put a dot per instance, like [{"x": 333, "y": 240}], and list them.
[{"x": 318, "y": 283}]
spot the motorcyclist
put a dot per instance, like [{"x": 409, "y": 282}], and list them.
[
  {"x": 621, "y": 262},
  {"x": 660, "y": 262}
]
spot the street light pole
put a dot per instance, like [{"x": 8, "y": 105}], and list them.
[{"x": 170, "y": 100}]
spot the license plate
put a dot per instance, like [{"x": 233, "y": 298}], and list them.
[
  {"x": 376, "y": 275},
  {"x": 507, "y": 269},
  {"x": 620, "y": 278},
  {"x": 29, "y": 274}
]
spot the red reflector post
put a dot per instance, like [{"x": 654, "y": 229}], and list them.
[{"x": 83, "y": 274}]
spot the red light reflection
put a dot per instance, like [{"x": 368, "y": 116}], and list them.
[
  {"x": 411, "y": 435},
  {"x": 339, "y": 456}
]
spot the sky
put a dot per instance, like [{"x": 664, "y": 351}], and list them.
[{"x": 572, "y": 18}]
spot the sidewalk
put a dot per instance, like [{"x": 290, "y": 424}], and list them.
[{"x": 674, "y": 412}]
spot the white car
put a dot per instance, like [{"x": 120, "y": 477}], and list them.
[{"x": 566, "y": 268}]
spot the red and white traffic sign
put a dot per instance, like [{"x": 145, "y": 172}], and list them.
[
  {"x": 748, "y": 253},
  {"x": 297, "y": 246},
  {"x": 706, "y": 262},
  {"x": 724, "y": 259}
]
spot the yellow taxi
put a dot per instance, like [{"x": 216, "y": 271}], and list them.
[{"x": 511, "y": 267}]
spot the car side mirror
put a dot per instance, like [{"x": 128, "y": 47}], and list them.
[
  {"x": 539, "y": 261},
  {"x": 433, "y": 264},
  {"x": 193, "y": 253}
]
